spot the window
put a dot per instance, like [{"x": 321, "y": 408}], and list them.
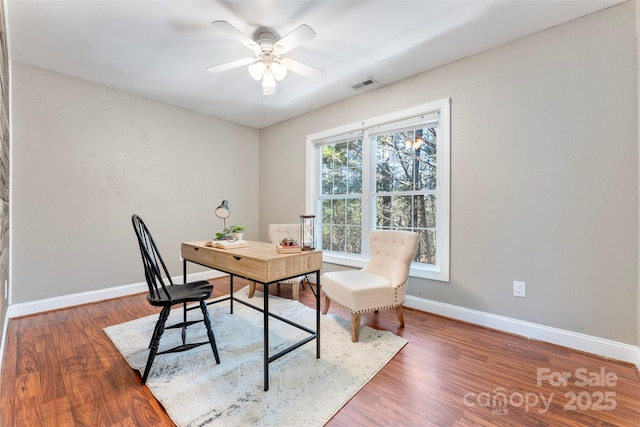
[{"x": 387, "y": 172}]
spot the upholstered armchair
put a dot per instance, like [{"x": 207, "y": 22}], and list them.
[
  {"x": 277, "y": 232},
  {"x": 381, "y": 284}
]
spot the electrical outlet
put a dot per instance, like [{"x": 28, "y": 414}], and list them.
[{"x": 519, "y": 289}]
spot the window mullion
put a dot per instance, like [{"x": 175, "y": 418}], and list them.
[{"x": 368, "y": 177}]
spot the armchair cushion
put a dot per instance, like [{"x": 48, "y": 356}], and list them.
[{"x": 359, "y": 291}]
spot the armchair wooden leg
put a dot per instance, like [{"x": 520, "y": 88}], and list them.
[
  {"x": 295, "y": 288},
  {"x": 355, "y": 327},
  {"x": 252, "y": 289},
  {"x": 400, "y": 316},
  {"x": 327, "y": 303}
]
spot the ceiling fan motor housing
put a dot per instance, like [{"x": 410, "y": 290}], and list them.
[{"x": 266, "y": 50}]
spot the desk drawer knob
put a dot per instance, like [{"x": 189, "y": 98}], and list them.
[{"x": 238, "y": 258}]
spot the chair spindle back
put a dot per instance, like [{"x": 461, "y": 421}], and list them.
[{"x": 154, "y": 265}]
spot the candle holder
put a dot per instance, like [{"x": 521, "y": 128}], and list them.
[{"x": 307, "y": 232}]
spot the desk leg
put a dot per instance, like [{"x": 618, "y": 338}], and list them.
[
  {"x": 317, "y": 314},
  {"x": 266, "y": 335},
  {"x": 184, "y": 271},
  {"x": 231, "y": 293}
]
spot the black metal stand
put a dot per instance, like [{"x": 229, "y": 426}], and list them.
[{"x": 266, "y": 314}]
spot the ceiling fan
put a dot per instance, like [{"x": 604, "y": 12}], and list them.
[{"x": 268, "y": 64}]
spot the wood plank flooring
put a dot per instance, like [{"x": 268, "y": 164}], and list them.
[{"x": 60, "y": 369}]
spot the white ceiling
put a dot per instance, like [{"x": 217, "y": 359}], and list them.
[{"x": 160, "y": 49}]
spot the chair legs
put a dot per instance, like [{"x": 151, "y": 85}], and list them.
[
  {"x": 355, "y": 321},
  {"x": 159, "y": 330},
  {"x": 155, "y": 341},
  {"x": 355, "y": 318},
  {"x": 295, "y": 289},
  {"x": 207, "y": 324},
  {"x": 155, "y": 330},
  {"x": 355, "y": 327},
  {"x": 400, "y": 316},
  {"x": 327, "y": 303}
]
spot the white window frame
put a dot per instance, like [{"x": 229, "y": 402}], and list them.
[{"x": 438, "y": 271}]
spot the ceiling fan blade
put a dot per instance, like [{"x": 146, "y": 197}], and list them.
[
  {"x": 300, "y": 68},
  {"x": 230, "y": 65},
  {"x": 295, "y": 38},
  {"x": 232, "y": 31}
]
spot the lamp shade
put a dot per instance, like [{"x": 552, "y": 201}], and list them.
[
  {"x": 256, "y": 70},
  {"x": 268, "y": 79},
  {"x": 268, "y": 83},
  {"x": 223, "y": 210},
  {"x": 279, "y": 71}
]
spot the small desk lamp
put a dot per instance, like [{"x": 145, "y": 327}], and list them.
[{"x": 223, "y": 212}]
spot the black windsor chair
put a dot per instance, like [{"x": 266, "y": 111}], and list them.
[{"x": 166, "y": 297}]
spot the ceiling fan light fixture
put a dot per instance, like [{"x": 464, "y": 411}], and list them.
[
  {"x": 268, "y": 82},
  {"x": 279, "y": 71},
  {"x": 256, "y": 70}
]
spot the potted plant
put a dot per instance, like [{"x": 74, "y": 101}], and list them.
[{"x": 236, "y": 230}]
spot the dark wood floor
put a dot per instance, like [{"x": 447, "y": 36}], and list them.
[{"x": 60, "y": 369}]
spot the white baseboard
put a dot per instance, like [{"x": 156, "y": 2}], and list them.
[
  {"x": 56, "y": 303},
  {"x": 590, "y": 344},
  {"x": 587, "y": 343}
]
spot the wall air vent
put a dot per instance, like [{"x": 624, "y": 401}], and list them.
[{"x": 365, "y": 83}]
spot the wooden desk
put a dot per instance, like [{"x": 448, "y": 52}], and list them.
[{"x": 261, "y": 263}]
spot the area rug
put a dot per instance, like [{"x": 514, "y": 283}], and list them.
[{"x": 303, "y": 390}]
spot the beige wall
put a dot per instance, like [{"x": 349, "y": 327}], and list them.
[
  {"x": 544, "y": 174},
  {"x": 637, "y": 5},
  {"x": 87, "y": 157},
  {"x": 4, "y": 168}
]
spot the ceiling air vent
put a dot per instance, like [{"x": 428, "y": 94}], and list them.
[{"x": 365, "y": 83}]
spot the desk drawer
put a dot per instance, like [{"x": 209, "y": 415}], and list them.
[
  {"x": 242, "y": 266},
  {"x": 198, "y": 255}
]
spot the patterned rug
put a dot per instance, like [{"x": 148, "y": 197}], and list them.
[{"x": 303, "y": 390}]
